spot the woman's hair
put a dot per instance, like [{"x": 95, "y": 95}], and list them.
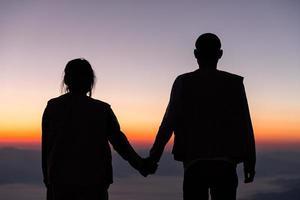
[{"x": 79, "y": 76}]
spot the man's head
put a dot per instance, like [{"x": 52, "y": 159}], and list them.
[{"x": 208, "y": 50}]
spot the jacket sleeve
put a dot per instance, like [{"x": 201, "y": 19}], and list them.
[
  {"x": 250, "y": 150},
  {"x": 45, "y": 143},
  {"x": 119, "y": 141},
  {"x": 168, "y": 123}
]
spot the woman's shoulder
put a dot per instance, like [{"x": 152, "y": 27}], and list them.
[
  {"x": 58, "y": 99},
  {"x": 99, "y": 102},
  {"x": 66, "y": 99}
]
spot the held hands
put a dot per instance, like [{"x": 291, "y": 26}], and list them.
[
  {"x": 147, "y": 167},
  {"x": 144, "y": 166}
]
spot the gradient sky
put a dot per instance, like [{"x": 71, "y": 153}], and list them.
[{"x": 137, "y": 49}]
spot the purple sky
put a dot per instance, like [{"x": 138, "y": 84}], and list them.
[{"x": 138, "y": 48}]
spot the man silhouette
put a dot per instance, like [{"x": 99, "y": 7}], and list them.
[{"x": 208, "y": 113}]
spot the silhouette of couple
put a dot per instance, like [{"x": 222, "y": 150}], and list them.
[{"x": 207, "y": 112}]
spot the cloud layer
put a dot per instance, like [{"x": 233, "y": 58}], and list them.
[{"x": 278, "y": 177}]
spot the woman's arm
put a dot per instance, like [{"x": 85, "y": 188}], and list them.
[
  {"x": 120, "y": 143},
  {"x": 45, "y": 138}
]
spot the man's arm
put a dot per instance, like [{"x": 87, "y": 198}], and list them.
[
  {"x": 250, "y": 160},
  {"x": 168, "y": 123}
]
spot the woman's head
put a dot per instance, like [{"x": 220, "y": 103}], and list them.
[{"x": 79, "y": 76}]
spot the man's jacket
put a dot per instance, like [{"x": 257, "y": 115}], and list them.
[{"x": 209, "y": 115}]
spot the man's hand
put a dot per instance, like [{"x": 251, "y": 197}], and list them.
[{"x": 249, "y": 172}]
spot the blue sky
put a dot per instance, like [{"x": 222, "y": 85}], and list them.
[{"x": 137, "y": 49}]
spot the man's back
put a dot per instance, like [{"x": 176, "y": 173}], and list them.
[
  {"x": 212, "y": 115},
  {"x": 209, "y": 115}
]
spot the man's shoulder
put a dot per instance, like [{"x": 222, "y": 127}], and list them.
[
  {"x": 187, "y": 75},
  {"x": 220, "y": 73},
  {"x": 230, "y": 76}
]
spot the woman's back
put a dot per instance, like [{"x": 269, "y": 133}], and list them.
[
  {"x": 77, "y": 128},
  {"x": 76, "y": 132}
]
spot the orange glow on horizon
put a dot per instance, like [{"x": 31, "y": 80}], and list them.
[
  {"x": 142, "y": 134},
  {"x": 147, "y": 137}
]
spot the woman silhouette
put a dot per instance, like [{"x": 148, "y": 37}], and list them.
[{"x": 76, "y": 132}]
